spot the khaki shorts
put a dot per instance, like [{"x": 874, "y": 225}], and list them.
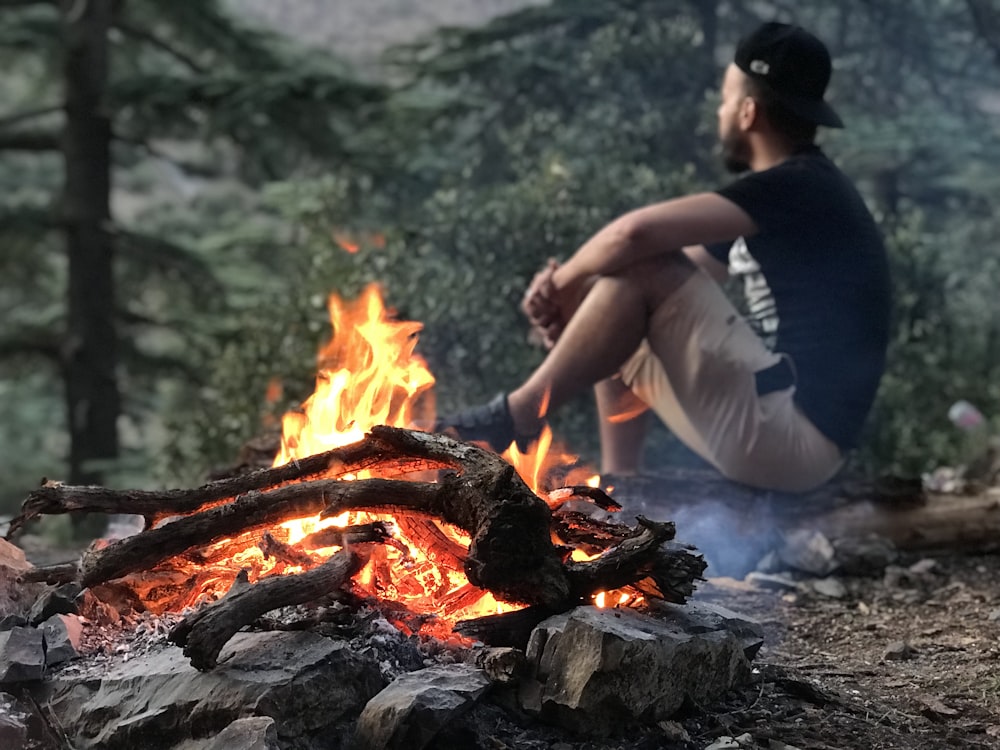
[{"x": 696, "y": 370}]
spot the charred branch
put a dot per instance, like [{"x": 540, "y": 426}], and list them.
[
  {"x": 377, "y": 531},
  {"x": 642, "y": 556},
  {"x": 596, "y": 495},
  {"x": 203, "y": 634},
  {"x": 290, "y": 555},
  {"x": 439, "y": 548},
  {"x": 53, "y": 498},
  {"x": 508, "y": 629}
]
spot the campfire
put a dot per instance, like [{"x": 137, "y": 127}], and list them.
[{"x": 443, "y": 537}]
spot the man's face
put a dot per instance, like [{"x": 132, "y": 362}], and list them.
[{"x": 733, "y": 142}]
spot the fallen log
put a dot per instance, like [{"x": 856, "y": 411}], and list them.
[{"x": 736, "y": 525}]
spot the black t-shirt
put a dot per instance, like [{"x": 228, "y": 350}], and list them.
[{"x": 816, "y": 283}]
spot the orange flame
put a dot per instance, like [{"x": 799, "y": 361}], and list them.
[
  {"x": 368, "y": 375},
  {"x": 345, "y": 242}
]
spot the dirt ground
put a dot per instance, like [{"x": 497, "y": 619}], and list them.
[{"x": 908, "y": 660}]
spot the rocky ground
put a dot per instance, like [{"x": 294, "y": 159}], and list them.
[{"x": 909, "y": 658}]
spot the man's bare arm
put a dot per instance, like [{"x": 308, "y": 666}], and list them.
[{"x": 653, "y": 230}]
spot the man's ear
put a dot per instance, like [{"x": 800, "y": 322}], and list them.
[{"x": 749, "y": 112}]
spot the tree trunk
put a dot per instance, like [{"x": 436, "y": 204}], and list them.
[{"x": 90, "y": 352}]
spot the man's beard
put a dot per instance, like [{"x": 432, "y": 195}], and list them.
[{"x": 735, "y": 152}]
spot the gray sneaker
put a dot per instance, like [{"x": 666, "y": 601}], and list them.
[{"x": 489, "y": 423}]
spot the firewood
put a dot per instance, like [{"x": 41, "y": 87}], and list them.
[
  {"x": 589, "y": 534},
  {"x": 509, "y": 629},
  {"x": 361, "y": 533},
  {"x": 54, "y": 498},
  {"x": 671, "y": 570},
  {"x": 425, "y": 534},
  {"x": 286, "y": 553},
  {"x": 511, "y": 553},
  {"x": 203, "y": 634}
]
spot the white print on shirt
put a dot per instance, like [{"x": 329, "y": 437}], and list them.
[{"x": 762, "y": 314}]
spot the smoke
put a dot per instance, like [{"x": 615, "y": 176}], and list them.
[{"x": 733, "y": 534}]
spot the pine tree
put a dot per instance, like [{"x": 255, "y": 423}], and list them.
[{"x": 98, "y": 85}]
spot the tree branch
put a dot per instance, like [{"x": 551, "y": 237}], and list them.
[
  {"x": 29, "y": 114},
  {"x": 36, "y": 343},
  {"x": 30, "y": 141},
  {"x": 160, "y": 44}
]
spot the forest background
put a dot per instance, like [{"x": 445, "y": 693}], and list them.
[{"x": 178, "y": 182}]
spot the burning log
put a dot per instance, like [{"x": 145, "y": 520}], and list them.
[
  {"x": 511, "y": 551},
  {"x": 54, "y": 498},
  {"x": 376, "y": 531},
  {"x": 286, "y": 553},
  {"x": 665, "y": 572},
  {"x": 204, "y": 633}
]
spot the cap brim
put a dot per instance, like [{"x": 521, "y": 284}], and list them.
[{"x": 817, "y": 112}]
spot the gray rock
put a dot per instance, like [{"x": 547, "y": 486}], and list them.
[
  {"x": 830, "y": 587},
  {"x": 22, "y": 655},
  {"x": 808, "y": 551},
  {"x": 770, "y": 563},
  {"x": 12, "y": 621},
  {"x": 58, "y": 601},
  {"x": 898, "y": 651},
  {"x": 594, "y": 669},
  {"x": 251, "y": 733},
  {"x": 865, "y": 556},
  {"x": 13, "y": 723},
  {"x": 703, "y": 617},
  {"x": 62, "y": 638},
  {"x": 415, "y": 706},
  {"x": 309, "y": 684},
  {"x": 923, "y": 566}
]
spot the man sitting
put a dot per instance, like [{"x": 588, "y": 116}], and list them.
[{"x": 773, "y": 399}]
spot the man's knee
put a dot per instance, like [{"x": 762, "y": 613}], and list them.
[{"x": 657, "y": 278}]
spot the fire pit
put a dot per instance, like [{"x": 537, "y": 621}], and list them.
[{"x": 363, "y": 526}]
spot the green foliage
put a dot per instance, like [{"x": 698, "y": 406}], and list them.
[
  {"x": 517, "y": 141},
  {"x": 201, "y": 106},
  {"x": 492, "y": 150}
]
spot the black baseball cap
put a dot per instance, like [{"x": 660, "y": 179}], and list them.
[{"x": 795, "y": 67}]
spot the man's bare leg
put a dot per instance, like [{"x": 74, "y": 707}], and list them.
[
  {"x": 605, "y": 330},
  {"x": 623, "y": 427}
]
